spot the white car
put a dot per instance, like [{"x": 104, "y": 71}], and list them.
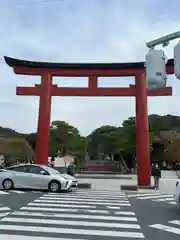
[
  {"x": 33, "y": 176},
  {"x": 177, "y": 192},
  {"x": 73, "y": 179}
]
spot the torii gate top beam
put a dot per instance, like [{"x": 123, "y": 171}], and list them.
[{"x": 80, "y": 69}]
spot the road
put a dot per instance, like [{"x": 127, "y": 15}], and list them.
[{"x": 88, "y": 214}]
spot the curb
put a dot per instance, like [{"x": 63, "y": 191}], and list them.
[
  {"x": 102, "y": 177},
  {"x": 129, "y": 187},
  {"x": 135, "y": 187},
  {"x": 84, "y": 185},
  {"x": 146, "y": 187}
]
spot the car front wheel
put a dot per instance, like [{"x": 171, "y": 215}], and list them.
[
  {"x": 54, "y": 186},
  {"x": 7, "y": 184}
]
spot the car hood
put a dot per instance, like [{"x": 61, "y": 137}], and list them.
[{"x": 66, "y": 176}]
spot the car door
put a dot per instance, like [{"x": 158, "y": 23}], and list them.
[
  {"x": 38, "y": 177},
  {"x": 19, "y": 176}
]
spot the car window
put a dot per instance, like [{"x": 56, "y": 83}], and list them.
[
  {"x": 34, "y": 169},
  {"x": 18, "y": 169}
]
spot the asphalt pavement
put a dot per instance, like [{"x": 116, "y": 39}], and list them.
[
  {"x": 88, "y": 214},
  {"x": 158, "y": 219}
]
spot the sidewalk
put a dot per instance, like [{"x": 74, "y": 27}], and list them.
[{"x": 167, "y": 182}]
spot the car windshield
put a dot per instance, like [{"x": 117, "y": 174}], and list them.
[{"x": 51, "y": 170}]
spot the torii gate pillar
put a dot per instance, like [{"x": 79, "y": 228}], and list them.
[
  {"x": 44, "y": 119},
  {"x": 142, "y": 132}
]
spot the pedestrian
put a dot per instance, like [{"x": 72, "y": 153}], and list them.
[
  {"x": 70, "y": 170},
  {"x": 156, "y": 173},
  {"x": 178, "y": 170}
]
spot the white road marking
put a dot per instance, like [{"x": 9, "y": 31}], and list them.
[
  {"x": 53, "y": 214},
  {"x": 19, "y": 237},
  {"x": 60, "y": 205},
  {"x": 63, "y": 210},
  {"x": 81, "y": 216},
  {"x": 177, "y": 222},
  {"x": 124, "y": 213},
  {"x": 112, "y": 207},
  {"x": 71, "y": 223},
  {"x": 16, "y": 191},
  {"x": 38, "y": 229},
  {"x": 2, "y": 208},
  {"x": 3, "y": 192},
  {"x": 120, "y": 203},
  {"x": 163, "y": 200},
  {"x": 166, "y": 228},
  {"x": 84, "y": 199},
  {"x": 143, "y": 194},
  {"x": 173, "y": 203},
  {"x": 153, "y": 197}
]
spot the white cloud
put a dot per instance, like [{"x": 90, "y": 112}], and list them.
[{"x": 80, "y": 31}]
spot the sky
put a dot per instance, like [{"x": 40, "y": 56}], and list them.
[{"x": 81, "y": 31}]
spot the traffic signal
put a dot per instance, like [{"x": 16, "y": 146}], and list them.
[{"x": 155, "y": 63}]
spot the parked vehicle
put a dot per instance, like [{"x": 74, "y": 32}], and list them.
[{"x": 33, "y": 176}]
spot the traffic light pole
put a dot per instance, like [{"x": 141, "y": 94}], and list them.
[{"x": 163, "y": 40}]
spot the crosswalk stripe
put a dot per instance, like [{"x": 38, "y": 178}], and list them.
[
  {"x": 19, "y": 237},
  {"x": 60, "y": 205},
  {"x": 177, "y": 222},
  {"x": 78, "y": 201},
  {"x": 153, "y": 197},
  {"x": 124, "y": 213},
  {"x": 112, "y": 207},
  {"x": 83, "y": 216},
  {"x": 173, "y": 203},
  {"x": 142, "y": 194},
  {"x": 96, "y": 194},
  {"x": 100, "y": 191},
  {"x": 163, "y": 200},
  {"x": 3, "y": 192},
  {"x": 2, "y": 208},
  {"x": 36, "y": 208},
  {"x": 16, "y": 191},
  {"x": 71, "y": 223},
  {"x": 85, "y": 199},
  {"x": 166, "y": 228},
  {"x": 74, "y": 210},
  {"x": 4, "y": 214},
  {"x": 38, "y": 229},
  {"x": 4, "y": 211}
]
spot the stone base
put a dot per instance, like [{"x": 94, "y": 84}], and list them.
[
  {"x": 129, "y": 187},
  {"x": 84, "y": 185},
  {"x": 147, "y": 187},
  {"x": 135, "y": 187}
]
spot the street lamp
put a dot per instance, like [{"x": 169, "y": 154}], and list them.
[{"x": 155, "y": 61}]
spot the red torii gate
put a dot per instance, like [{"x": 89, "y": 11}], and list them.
[{"x": 47, "y": 89}]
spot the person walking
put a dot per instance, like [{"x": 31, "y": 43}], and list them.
[{"x": 156, "y": 173}]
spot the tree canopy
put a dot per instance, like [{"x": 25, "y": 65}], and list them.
[{"x": 104, "y": 142}]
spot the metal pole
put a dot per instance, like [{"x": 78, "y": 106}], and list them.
[{"x": 163, "y": 40}]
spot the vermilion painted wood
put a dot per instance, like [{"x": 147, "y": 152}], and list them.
[{"x": 46, "y": 90}]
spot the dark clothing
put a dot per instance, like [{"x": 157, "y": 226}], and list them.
[
  {"x": 70, "y": 170},
  {"x": 156, "y": 172}
]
